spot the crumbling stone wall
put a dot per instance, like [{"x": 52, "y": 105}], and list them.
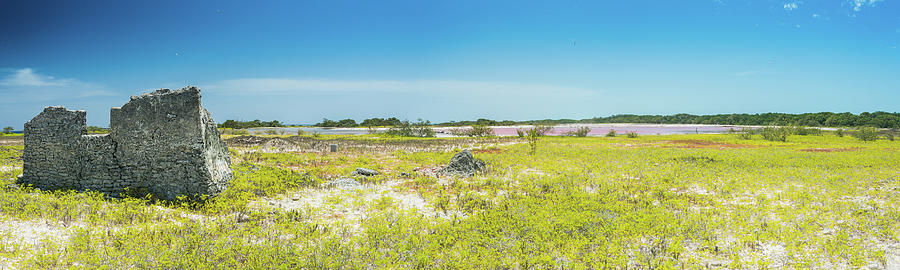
[{"x": 163, "y": 143}]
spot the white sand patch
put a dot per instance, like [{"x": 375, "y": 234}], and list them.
[
  {"x": 349, "y": 206},
  {"x": 34, "y": 232}
]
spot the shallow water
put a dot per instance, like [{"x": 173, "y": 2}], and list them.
[{"x": 596, "y": 129}]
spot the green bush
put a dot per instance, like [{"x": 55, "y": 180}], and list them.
[
  {"x": 541, "y": 130},
  {"x": 631, "y": 134},
  {"x": 475, "y": 131},
  {"x": 803, "y": 131},
  {"x": 7, "y": 130},
  {"x": 745, "y": 133},
  {"x": 839, "y": 132},
  {"x": 866, "y": 134},
  {"x": 579, "y": 132},
  {"x": 611, "y": 133},
  {"x": 406, "y": 129},
  {"x": 774, "y": 134},
  {"x": 520, "y": 132}
]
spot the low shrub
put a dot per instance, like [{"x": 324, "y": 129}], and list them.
[
  {"x": 745, "y": 133},
  {"x": 418, "y": 129},
  {"x": 579, "y": 132},
  {"x": 803, "y": 131},
  {"x": 520, "y": 132},
  {"x": 866, "y": 134},
  {"x": 775, "y": 134},
  {"x": 839, "y": 132},
  {"x": 611, "y": 133},
  {"x": 631, "y": 134},
  {"x": 541, "y": 130},
  {"x": 474, "y": 131}
]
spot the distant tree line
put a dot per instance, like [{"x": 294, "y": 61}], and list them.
[
  {"x": 249, "y": 124},
  {"x": 821, "y": 119},
  {"x": 371, "y": 122},
  {"x": 479, "y": 122}
]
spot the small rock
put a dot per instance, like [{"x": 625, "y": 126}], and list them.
[
  {"x": 463, "y": 164},
  {"x": 366, "y": 172},
  {"x": 405, "y": 175},
  {"x": 342, "y": 183}
]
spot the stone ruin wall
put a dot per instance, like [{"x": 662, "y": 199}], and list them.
[{"x": 163, "y": 143}]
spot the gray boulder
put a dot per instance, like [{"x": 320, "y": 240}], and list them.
[
  {"x": 463, "y": 164},
  {"x": 366, "y": 172}
]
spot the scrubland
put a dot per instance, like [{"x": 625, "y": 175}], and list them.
[{"x": 673, "y": 201}]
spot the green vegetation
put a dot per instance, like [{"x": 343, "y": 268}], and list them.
[
  {"x": 611, "y": 133},
  {"x": 776, "y": 134},
  {"x": 233, "y": 124},
  {"x": 745, "y": 133},
  {"x": 406, "y": 129},
  {"x": 380, "y": 122},
  {"x": 97, "y": 130},
  {"x": 821, "y": 119},
  {"x": 866, "y": 134},
  {"x": 670, "y": 202},
  {"x": 7, "y": 130},
  {"x": 479, "y": 122},
  {"x": 474, "y": 131},
  {"x": 579, "y": 132},
  {"x": 346, "y": 123}
]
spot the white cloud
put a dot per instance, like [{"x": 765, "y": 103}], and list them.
[
  {"x": 27, "y": 77},
  {"x": 289, "y": 86},
  {"x": 858, "y": 5},
  {"x": 792, "y": 5},
  {"x": 25, "y": 84}
]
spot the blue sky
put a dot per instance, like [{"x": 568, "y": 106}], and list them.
[{"x": 300, "y": 61}]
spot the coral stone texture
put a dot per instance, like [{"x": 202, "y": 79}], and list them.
[{"x": 162, "y": 143}]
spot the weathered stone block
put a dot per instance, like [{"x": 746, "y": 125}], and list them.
[{"x": 163, "y": 142}]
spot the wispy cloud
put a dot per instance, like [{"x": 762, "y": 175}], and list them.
[
  {"x": 27, "y": 77},
  {"x": 290, "y": 86},
  {"x": 21, "y": 85},
  {"x": 792, "y": 5}
]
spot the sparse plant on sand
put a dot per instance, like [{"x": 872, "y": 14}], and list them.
[{"x": 533, "y": 135}]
